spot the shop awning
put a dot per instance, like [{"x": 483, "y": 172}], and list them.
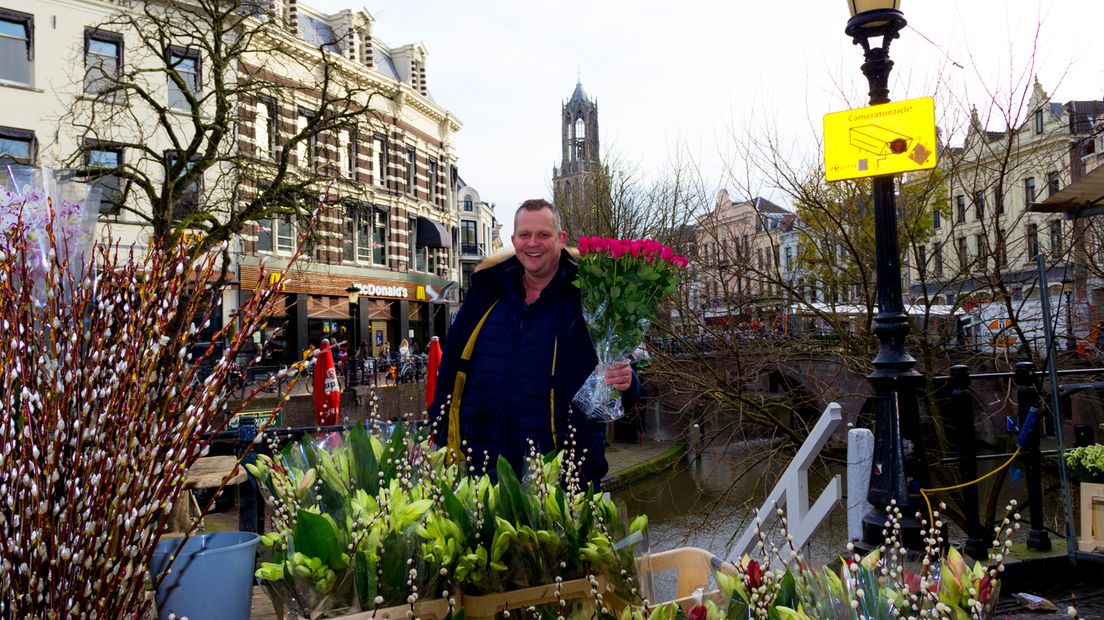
[
  {"x": 432, "y": 234},
  {"x": 1082, "y": 198}
]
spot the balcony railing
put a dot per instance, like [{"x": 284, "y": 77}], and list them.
[{"x": 472, "y": 249}]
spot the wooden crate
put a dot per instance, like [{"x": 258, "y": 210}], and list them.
[
  {"x": 429, "y": 609},
  {"x": 1092, "y": 516},
  {"x": 489, "y": 606},
  {"x": 694, "y": 565}
]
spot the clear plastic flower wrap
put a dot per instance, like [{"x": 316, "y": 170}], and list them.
[
  {"x": 49, "y": 203},
  {"x": 622, "y": 281}
]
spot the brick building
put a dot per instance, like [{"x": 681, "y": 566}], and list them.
[{"x": 385, "y": 244}]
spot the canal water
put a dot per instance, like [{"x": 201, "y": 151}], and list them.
[{"x": 708, "y": 499}]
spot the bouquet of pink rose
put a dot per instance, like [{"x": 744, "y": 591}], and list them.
[{"x": 623, "y": 281}]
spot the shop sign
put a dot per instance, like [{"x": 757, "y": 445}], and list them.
[{"x": 378, "y": 290}]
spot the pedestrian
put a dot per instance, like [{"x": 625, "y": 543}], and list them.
[
  {"x": 404, "y": 348},
  {"x": 517, "y": 353},
  {"x": 363, "y": 356}
]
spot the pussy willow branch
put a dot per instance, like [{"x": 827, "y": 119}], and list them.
[{"x": 101, "y": 414}]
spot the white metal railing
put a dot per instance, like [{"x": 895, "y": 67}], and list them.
[{"x": 792, "y": 491}]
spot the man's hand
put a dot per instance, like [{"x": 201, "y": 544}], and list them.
[{"x": 619, "y": 376}]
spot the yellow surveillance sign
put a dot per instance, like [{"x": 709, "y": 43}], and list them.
[{"x": 882, "y": 139}]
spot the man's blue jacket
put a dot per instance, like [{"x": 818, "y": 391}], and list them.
[{"x": 527, "y": 363}]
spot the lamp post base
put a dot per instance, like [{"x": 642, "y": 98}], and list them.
[{"x": 876, "y": 533}]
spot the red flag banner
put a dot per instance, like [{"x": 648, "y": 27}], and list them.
[{"x": 327, "y": 392}]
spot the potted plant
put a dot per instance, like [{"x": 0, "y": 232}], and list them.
[{"x": 1086, "y": 464}]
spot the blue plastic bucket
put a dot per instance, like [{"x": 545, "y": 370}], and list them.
[{"x": 211, "y": 577}]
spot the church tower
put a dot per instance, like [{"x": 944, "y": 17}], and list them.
[{"x": 573, "y": 181}]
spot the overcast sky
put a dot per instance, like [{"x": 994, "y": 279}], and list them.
[{"x": 695, "y": 73}]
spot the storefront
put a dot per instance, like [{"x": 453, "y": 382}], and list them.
[
  {"x": 386, "y": 315},
  {"x": 350, "y": 309}
]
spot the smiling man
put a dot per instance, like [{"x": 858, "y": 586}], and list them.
[{"x": 518, "y": 352}]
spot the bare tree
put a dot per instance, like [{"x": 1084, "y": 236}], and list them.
[
  {"x": 620, "y": 201},
  {"x": 185, "y": 109}
]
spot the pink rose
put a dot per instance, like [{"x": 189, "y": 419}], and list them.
[
  {"x": 584, "y": 245},
  {"x": 618, "y": 248},
  {"x": 666, "y": 253},
  {"x": 598, "y": 245},
  {"x": 636, "y": 246}
]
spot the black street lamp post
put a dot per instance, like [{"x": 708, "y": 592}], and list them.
[
  {"x": 353, "y": 346},
  {"x": 894, "y": 378}
]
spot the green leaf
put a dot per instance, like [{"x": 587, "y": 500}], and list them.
[
  {"x": 316, "y": 536},
  {"x": 738, "y": 608},
  {"x": 365, "y": 465},
  {"x": 393, "y": 570},
  {"x": 787, "y": 592},
  {"x": 364, "y": 574},
  {"x": 458, "y": 513}
]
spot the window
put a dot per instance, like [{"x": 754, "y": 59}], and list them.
[
  {"x": 411, "y": 242},
  {"x": 264, "y": 128},
  {"x": 188, "y": 197},
  {"x": 1056, "y": 238},
  {"x": 1032, "y": 241},
  {"x": 998, "y": 200},
  {"x": 1054, "y": 183},
  {"x": 17, "y": 146},
  {"x": 1029, "y": 190},
  {"x": 468, "y": 204},
  {"x": 789, "y": 259},
  {"x": 937, "y": 218},
  {"x": 306, "y": 150},
  {"x": 103, "y": 60},
  {"x": 411, "y": 170},
  {"x": 379, "y": 161},
  {"x": 960, "y": 208},
  {"x": 469, "y": 241},
  {"x": 982, "y": 250},
  {"x": 963, "y": 252},
  {"x": 16, "y": 46},
  {"x": 279, "y": 230},
  {"x": 352, "y": 153},
  {"x": 357, "y": 244},
  {"x": 345, "y": 154},
  {"x": 182, "y": 64},
  {"x": 1002, "y": 255},
  {"x": 421, "y": 256},
  {"x": 921, "y": 259},
  {"x": 379, "y": 237},
  {"x": 937, "y": 260},
  {"x": 100, "y": 160},
  {"x": 432, "y": 180},
  {"x": 1039, "y": 121},
  {"x": 979, "y": 205}
]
